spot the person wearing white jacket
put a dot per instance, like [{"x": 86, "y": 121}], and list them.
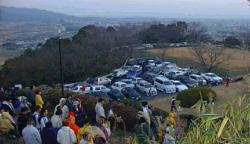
[
  {"x": 66, "y": 135},
  {"x": 30, "y": 133},
  {"x": 56, "y": 119}
]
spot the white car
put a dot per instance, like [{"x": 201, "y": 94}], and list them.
[
  {"x": 212, "y": 78},
  {"x": 82, "y": 89},
  {"x": 102, "y": 81},
  {"x": 119, "y": 73},
  {"x": 136, "y": 80},
  {"x": 146, "y": 88},
  {"x": 129, "y": 83},
  {"x": 164, "y": 84},
  {"x": 179, "y": 86},
  {"x": 99, "y": 88},
  {"x": 119, "y": 85},
  {"x": 198, "y": 78}
]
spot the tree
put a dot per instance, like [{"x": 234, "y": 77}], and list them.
[
  {"x": 232, "y": 41},
  {"x": 209, "y": 56},
  {"x": 196, "y": 33}
]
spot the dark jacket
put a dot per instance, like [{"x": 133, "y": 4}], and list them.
[
  {"x": 49, "y": 135},
  {"x": 22, "y": 122}
]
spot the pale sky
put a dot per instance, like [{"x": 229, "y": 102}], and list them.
[{"x": 142, "y": 8}]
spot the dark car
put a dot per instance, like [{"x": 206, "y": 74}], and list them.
[
  {"x": 131, "y": 93},
  {"x": 187, "y": 81},
  {"x": 149, "y": 77},
  {"x": 116, "y": 95}
]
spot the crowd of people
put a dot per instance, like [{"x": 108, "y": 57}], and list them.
[{"x": 27, "y": 117}]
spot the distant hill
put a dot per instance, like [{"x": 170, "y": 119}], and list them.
[{"x": 13, "y": 14}]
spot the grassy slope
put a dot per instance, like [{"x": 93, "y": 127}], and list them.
[
  {"x": 6, "y": 54},
  {"x": 239, "y": 59}
]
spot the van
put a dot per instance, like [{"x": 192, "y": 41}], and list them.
[{"x": 164, "y": 84}]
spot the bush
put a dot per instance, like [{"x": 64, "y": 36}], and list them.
[{"x": 189, "y": 97}]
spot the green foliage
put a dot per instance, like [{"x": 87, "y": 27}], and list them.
[
  {"x": 231, "y": 41},
  {"x": 189, "y": 97}
]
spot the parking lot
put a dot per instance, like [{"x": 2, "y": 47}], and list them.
[{"x": 145, "y": 79}]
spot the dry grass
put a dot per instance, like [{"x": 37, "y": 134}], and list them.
[{"x": 238, "y": 60}]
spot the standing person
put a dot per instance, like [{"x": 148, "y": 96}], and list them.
[
  {"x": 38, "y": 98},
  {"x": 171, "y": 119},
  {"x": 145, "y": 112},
  {"x": 60, "y": 105},
  {"x": 49, "y": 134},
  {"x": 5, "y": 124},
  {"x": 43, "y": 118},
  {"x": 79, "y": 114},
  {"x": 8, "y": 106},
  {"x": 104, "y": 127},
  {"x": 65, "y": 111},
  {"x": 30, "y": 134},
  {"x": 168, "y": 139},
  {"x": 99, "y": 110},
  {"x": 72, "y": 123},
  {"x": 36, "y": 115},
  {"x": 56, "y": 119},
  {"x": 31, "y": 97},
  {"x": 173, "y": 104},
  {"x": 69, "y": 102},
  {"x": 22, "y": 119},
  {"x": 66, "y": 135}
]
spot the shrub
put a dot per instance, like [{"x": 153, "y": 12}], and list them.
[{"x": 189, "y": 97}]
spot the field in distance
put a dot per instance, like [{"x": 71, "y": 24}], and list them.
[
  {"x": 239, "y": 59},
  {"x": 6, "y": 54}
]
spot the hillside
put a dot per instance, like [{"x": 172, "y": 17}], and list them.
[
  {"x": 238, "y": 60},
  {"x": 12, "y": 14}
]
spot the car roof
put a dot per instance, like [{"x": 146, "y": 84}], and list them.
[
  {"x": 162, "y": 78},
  {"x": 119, "y": 82}
]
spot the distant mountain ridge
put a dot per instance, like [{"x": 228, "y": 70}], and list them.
[{"x": 13, "y": 14}]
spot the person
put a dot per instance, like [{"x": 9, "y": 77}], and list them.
[
  {"x": 144, "y": 127},
  {"x": 173, "y": 104},
  {"x": 56, "y": 119},
  {"x": 168, "y": 139},
  {"x": 65, "y": 110},
  {"x": 99, "y": 109},
  {"x": 31, "y": 97},
  {"x": 43, "y": 118},
  {"x": 72, "y": 123},
  {"x": 22, "y": 119},
  {"x": 36, "y": 116},
  {"x": 5, "y": 124},
  {"x": 171, "y": 119},
  {"x": 69, "y": 102},
  {"x": 85, "y": 134},
  {"x": 48, "y": 134},
  {"x": 30, "y": 134},
  {"x": 79, "y": 114},
  {"x": 66, "y": 135},
  {"x": 60, "y": 105},
  {"x": 145, "y": 112},
  {"x": 8, "y": 106},
  {"x": 38, "y": 98},
  {"x": 104, "y": 127},
  {"x": 24, "y": 102}
]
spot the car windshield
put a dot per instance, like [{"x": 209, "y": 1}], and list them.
[
  {"x": 128, "y": 82},
  {"x": 148, "y": 86},
  {"x": 212, "y": 75},
  {"x": 123, "y": 85},
  {"x": 168, "y": 83},
  {"x": 177, "y": 83}
]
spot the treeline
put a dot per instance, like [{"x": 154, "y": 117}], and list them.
[{"x": 91, "y": 52}]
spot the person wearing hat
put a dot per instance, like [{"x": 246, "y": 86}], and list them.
[
  {"x": 56, "y": 119},
  {"x": 79, "y": 114},
  {"x": 30, "y": 134}
]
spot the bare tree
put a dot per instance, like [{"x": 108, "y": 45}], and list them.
[{"x": 210, "y": 56}]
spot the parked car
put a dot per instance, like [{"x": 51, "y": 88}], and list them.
[
  {"x": 116, "y": 95},
  {"x": 119, "y": 73},
  {"x": 149, "y": 77},
  {"x": 98, "y": 88},
  {"x": 129, "y": 83},
  {"x": 188, "y": 81},
  {"x": 119, "y": 85},
  {"x": 164, "y": 84},
  {"x": 136, "y": 80},
  {"x": 146, "y": 88},
  {"x": 102, "y": 81},
  {"x": 201, "y": 80},
  {"x": 174, "y": 74},
  {"x": 131, "y": 93},
  {"x": 179, "y": 86},
  {"x": 101, "y": 94},
  {"x": 82, "y": 89},
  {"x": 212, "y": 78}
]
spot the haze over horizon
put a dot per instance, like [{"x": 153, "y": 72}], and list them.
[{"x": 224, "y": 9}]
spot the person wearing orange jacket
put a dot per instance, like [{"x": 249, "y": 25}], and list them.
[{"x": 72, "y": 123}]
